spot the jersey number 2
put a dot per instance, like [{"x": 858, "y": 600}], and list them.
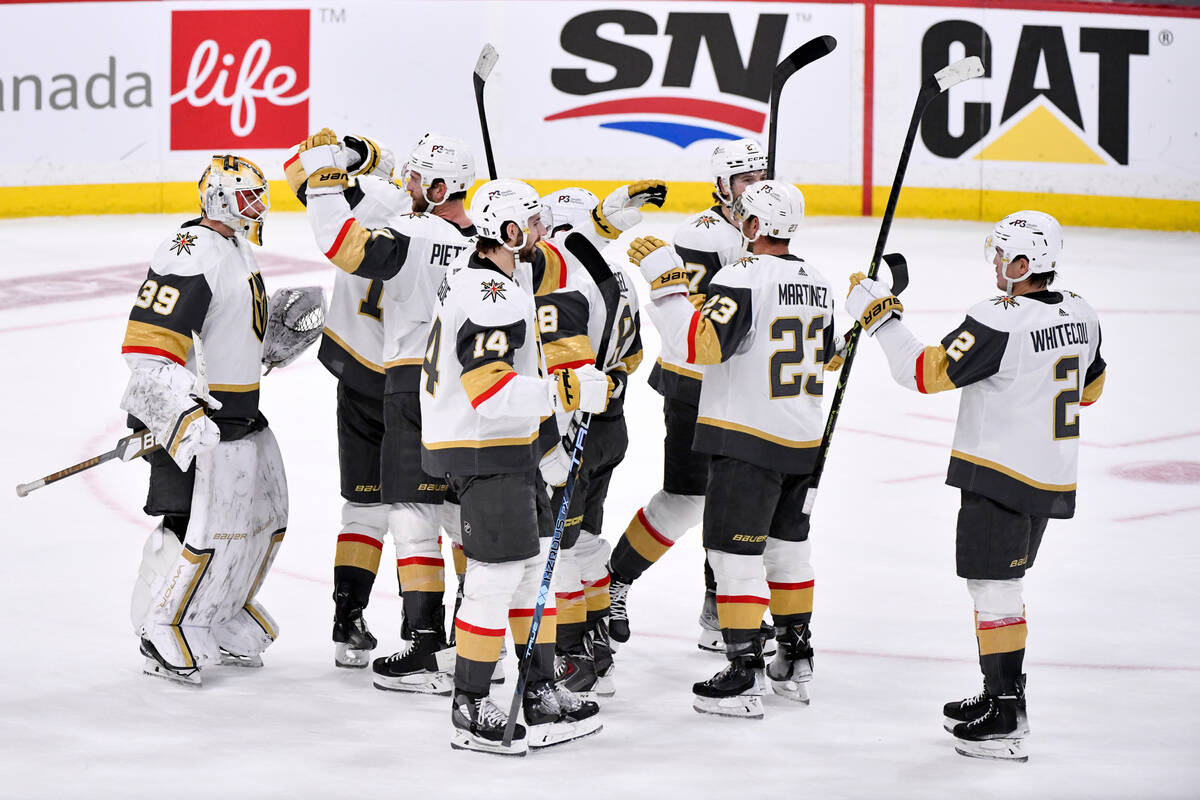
[
  {"x": 794, "y": 357},
  {"x": 1066, "y": 369}
]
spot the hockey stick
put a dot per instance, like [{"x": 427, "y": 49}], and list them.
[
  {"x": 135, "y": 445},
  {"x": 598, "y": 268},
  {"x": 483, "y": 68},
  {"x": 962, "y": 70},
  {"x": 802, "y": 56}
]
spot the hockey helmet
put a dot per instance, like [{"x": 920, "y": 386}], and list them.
[
  {"x": 234, "y": 191},
  {"x": 441, "y": 157},
  {"x": 571, "y": 207},
  {"x": 734, "y": 158},
  {"x": 1032, "y": 235},
  {"x": 779, "y": 207},
  {"x": 499, "y": 202}
]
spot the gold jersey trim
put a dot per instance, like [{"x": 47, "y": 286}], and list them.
[
  {"x": 366, "y": 362},
  {"x": 472, "y": 443},
  {"x": 756, "y": 433},
  {"x": 678, "y": 370},
  {"x": 1012, "y": 473}
]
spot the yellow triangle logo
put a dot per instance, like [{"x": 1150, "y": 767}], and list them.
[{"x": 1041, "y": 136}]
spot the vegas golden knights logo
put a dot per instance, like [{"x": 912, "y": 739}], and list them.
[{"x": 258, "y": 305}]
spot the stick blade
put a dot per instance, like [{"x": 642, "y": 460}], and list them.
[
  {"x": 898, "y": 266},
  {"x": 487, "y": 61},
  {"x": 803, "y": 55},
  {"x": 962, "y": 70}
]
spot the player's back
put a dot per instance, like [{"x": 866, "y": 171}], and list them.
[{"x": 762, "y": 403}]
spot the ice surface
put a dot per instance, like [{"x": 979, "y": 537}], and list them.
[{"x": 1114, "y": 678}]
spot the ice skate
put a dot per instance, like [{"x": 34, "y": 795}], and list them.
[
  {"x": 710, "y": 640},
  {"x": 618, "y": 612},
  {"x": 790, "y": 672},
  {"x": 735, "y": 691},
  {"x": 156, "y": 667},
  {"x": 479, "y": 725},
  {"x": 354, "y": 641},
  {"x": 599, "y": 645},
  {"x": 413, "y": 669},
  {"x": 576, "y": 672},
  {"x": 972, "y": 708},
  {"x": 229, "y": 659},
  {"x": 998, "y": 734},
  {"x": 556, "y": 716}
]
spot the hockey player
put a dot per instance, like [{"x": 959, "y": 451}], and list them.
[
  {"x": 1026, "y": 362},
  {"x": 352, "y": 350},
  {"x": 573, "y": 322},
  {"x": 218, "y": 481},
  {"x": 705, "y": 242},
  {"x": 484, "y": 394},
  {"x": 410, "y": 254},
  {"x": 763, "y": 331}
]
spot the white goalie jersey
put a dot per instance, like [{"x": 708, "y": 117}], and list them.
[{"x": 766, "y": 331}]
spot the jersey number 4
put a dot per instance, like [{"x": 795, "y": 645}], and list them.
[{"x": 793, "y": 357}]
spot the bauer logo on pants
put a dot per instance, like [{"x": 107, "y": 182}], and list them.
[{"x": 239, "y": 79}]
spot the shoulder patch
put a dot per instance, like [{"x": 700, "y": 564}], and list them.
[
  {"x": 705, "y": 221},
  {"x": 493, "y": 290},
  {"x": 1004, "y": 301},
  {"x": 744, "y": 261},
  {"x": 183, "y": 243}
]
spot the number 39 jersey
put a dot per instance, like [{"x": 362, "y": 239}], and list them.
[
  {"x": 1025, "y": 364},
  {"x": 765, "y": 329},
  {"x": 200, "y": 281}
]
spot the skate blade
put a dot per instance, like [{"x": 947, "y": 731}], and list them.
[
  {"x": 234, "y": 660},
  {"x": 438, "y": 683},
  {"x": 445, "y": 659},
  {"x": 155, "y": 670},
  {"x": 711, "y": 642},
  {"x": 350, "y": 658},
  {"x": 552, "y": 734},
  {"x": 605, "y": 686},
  {"x": 742, "y": 706},
  {"x": 993, "y": 749},
  {"x": 796, "y": 691},
  {"x": 463, "y": 740}
]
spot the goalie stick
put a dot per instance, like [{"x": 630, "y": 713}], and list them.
[
  {"x": 940, "y": 81},
  {"x": 598, "y": 268},
  {"x": 135, "y": 445},
  {"x": 483, "y": 68},
  {"x": 802, "y": 56}
]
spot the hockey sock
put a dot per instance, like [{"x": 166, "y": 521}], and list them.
[
  {"x": 1001, "y": 652},
  {"x": 571, "y": 621},
  {"x": 423, "y": 583},
  {"x": 741, "y": 594},
  {"x": 355, "y": 563},
  {"x": 477, "y": 650},
  {"x": 596, "y": 599},
  {"x": 460, "y": 559},
  {"x": 639, "y": 547},
  {"x": 541, "y": 666}
]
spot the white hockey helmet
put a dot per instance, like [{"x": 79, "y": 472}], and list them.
[
  {"x": 571, "y": 207},
  {"x": 734, "y": 158},
  {"x": 1032, "y": 235},
  {"x": 441, "y": 157},
  {"x": 234, "y": 191},
  {"x": 499, "y": 202},
  {"x": 779, "y": 207}
]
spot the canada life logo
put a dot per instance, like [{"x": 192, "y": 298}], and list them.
[
  {"x": 671, "y": 113},
  {"x": 239, "y": 79}
]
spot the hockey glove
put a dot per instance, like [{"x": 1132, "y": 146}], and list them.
[
  {"x": 365, "y": 157},
  {"x": 660, "y": 265},
  {"x": 620, "y": 211},
  {"x": 163, "y": 396},
  {"x": 555, "y": 466},
  {"x": 872, "y": 303},
  {"x": 324, "y": 161},
  {"x": 295, "y": 318},
  {"x": 839, "y": 355},
  {"x": 581, "y": 389}
]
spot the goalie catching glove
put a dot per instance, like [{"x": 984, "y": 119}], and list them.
[
  {"x": 324, "y": 161},
  {"x": 872, "y": 303},
  {"x": 660, "y": 265},
  {"x": 583, "y": 388},
  {"x": 621, "y": 210},
  {"x": 168, "y": 401},
  {"x": 295, "y": 318}
]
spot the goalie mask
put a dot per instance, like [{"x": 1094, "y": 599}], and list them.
[
  {"x": 233, "y": 191},
  {"x": 571, "y": 207},
  {"x": 778, "y": 206},
  {"x": 1032, "y": 235},
  {"x": 440, "y": 157},
  {"x": 734, "y": 158},
  {"x": 502, "y": 201}
]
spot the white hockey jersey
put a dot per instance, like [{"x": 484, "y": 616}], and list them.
[
  {"x": 200, "y": 281},
  {"x": 1025, "y": 364},
  {"x": 766, "y": 330},
  {"x": 483, "y": 396},
  {"x": 706, "y": 242}
]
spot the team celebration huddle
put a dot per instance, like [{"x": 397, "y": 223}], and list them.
[{"x": 483, "y": 344}]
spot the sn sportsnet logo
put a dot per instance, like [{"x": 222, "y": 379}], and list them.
[
  {"x": 618, "y": 71},
  {"x": 239, "y": 79}
]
